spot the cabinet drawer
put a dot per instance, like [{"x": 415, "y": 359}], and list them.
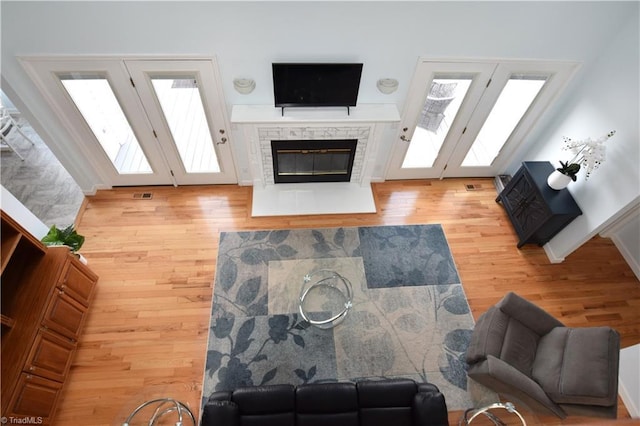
[
  {"x": 77, "y": 282},
  {"x": 50, "y": 356},
  {"x": 65, "y": 315},
  {"x": 34, "y": 397}
]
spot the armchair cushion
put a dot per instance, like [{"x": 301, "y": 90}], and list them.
[
  {"x": 519, "y": 346},
  {"x": 579, "y": 365}
]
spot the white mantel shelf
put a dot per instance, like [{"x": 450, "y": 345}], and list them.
[{"x": 268, "y": 114}]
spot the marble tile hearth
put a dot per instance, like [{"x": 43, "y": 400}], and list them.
[{"x": 312, "y": 198}]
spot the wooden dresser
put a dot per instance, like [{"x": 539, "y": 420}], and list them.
[{"x": 46, "y": 292}]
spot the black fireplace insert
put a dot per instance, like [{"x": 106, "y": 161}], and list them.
[{"x": 298, "y": 161}]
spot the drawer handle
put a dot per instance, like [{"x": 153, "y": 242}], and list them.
[{"x": 32, "y": 368}]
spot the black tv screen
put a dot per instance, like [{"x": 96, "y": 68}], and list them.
[{"x": 316, "y": 85}]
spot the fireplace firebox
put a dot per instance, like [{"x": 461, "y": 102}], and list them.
[{"x": 298, "y": 161}]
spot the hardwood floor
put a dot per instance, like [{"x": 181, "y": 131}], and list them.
[{"x": 147, "y": 330}]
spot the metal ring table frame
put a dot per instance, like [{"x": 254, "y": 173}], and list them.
[
  {"x": 332, "y": 279},
  {"x": 485, "y": 410},
  {"x": 176, "y": 406}
]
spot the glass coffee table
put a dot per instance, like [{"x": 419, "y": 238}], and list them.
[{"x": 325, "y": 298}]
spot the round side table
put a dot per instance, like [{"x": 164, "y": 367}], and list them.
[{"x": 325, "y": 298}]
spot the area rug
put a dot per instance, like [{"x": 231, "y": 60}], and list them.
[{"x": 410, "y": 317}]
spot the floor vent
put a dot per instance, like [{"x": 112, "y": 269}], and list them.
[
  {"x": 472, "y": 187},
  {"x": 142, "y": 195}
]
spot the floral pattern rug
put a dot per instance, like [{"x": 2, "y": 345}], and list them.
[{"x": 410, "y": 317}]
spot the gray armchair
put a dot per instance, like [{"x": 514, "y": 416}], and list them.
[{"x": 518, "y": 349}]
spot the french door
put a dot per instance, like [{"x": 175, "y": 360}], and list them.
[
  {"x": 467, "y": 118},
  {"x": 142, "y": 122}
]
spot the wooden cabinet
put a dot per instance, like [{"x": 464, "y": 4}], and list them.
[
  {"x": 46, "y": 294},
  {"x": 536, "y": 211}
]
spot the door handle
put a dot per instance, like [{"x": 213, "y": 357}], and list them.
[
  {"x": 403, "y": 137},
  {"x": 222, "y": 141}
]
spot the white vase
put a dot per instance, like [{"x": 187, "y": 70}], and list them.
[{"x": 558, "y": 181}]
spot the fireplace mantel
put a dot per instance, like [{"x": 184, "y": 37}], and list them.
[
  {"x": 370, "y": 113},
  {"x": 258, "y": 125}
]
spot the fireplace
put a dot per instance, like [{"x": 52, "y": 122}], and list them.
[{"x": 298, "y": 161}]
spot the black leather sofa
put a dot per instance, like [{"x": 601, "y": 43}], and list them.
[{"x": 398, "y": 402}]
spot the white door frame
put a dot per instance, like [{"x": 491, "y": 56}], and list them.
[
  {"x": 211, "y": 93},
  {"x": 473, "y": 112},
  {"x": 426, "y": 70},
  {"x": 43, "y": 70}
]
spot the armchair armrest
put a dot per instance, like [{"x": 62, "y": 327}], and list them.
[
  {"x": 505, "y": 379},
  {"x": 528, "y": 314}
]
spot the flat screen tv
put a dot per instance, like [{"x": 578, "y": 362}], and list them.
[{"x": 316, "y": 84}]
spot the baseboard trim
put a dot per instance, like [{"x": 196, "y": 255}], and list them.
[
  {"x": 627, "y": 255},
  {"x": 553, "y": 258},
  {"x": 629, "y": 403}
]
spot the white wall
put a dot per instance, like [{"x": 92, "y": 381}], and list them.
[
  {"x": 21, "y": 214},
  {"x": 629, "y": 380},
  {"x": 388, "y": 37},
  {"x": 628, "y": 242},
  {"x": 605, "y": 98}
]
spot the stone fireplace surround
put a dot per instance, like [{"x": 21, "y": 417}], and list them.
[
  {"x": 260, "y": 124},
  {"x": 268, "y": 134}
]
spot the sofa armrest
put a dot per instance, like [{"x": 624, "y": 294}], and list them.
[
  {"x": 429, "y": 408},
  {"x": 217, "y": 412},
  {"x": 505, "y": 379},
  {"x": 220, "y": 396},
  {"x": 428, "y": 388}
]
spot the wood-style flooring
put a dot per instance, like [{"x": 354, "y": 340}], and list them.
[{"x": 146, "y": 334}]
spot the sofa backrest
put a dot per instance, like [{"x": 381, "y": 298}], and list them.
[
  {"x": 333, "y": 404},
  {"x": 272, "y": 405},
  {"x": 386, "y": 402},
  {"x": 399, "y": 402}
]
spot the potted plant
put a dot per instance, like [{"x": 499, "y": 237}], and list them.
[
  {"x": 562, "y": 176},
  {"x": 588, "y": 153},
  {"x": 65, "y": 237}
]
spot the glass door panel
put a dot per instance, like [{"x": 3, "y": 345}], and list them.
[
  {"x": 441, "y": 99},
  {"x": 181, "y": 104},
  {"x": 436, "y": 116},
  {"x": 515, "y": 99},
  {"x": 185, "y": 106},
  {"x": 94, "y": 98}
]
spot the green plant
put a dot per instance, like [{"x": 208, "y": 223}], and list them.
[
  {"x": 64, "y": 237},
  {"x": 569, "y": 169}
]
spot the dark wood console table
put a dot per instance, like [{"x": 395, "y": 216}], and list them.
[{"x": 536, "y": 211}]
